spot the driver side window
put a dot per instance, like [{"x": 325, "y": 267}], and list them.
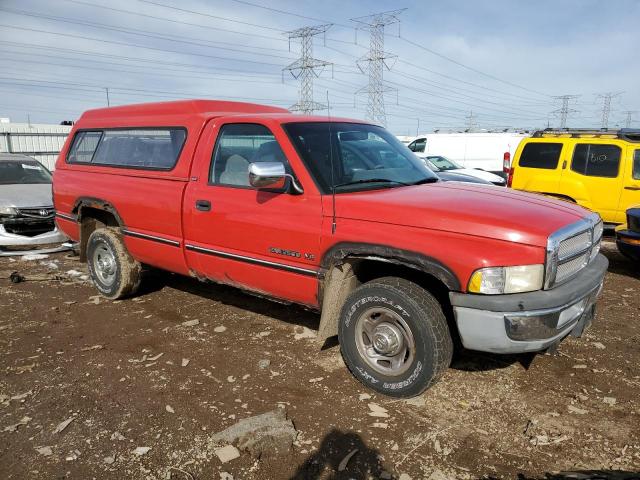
[{"x": 238, "y": 146}]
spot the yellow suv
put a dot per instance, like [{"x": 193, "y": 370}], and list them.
[{"x": 598, "y": 169}]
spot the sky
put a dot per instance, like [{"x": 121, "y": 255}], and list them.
[{"x": 493, "y": 64}]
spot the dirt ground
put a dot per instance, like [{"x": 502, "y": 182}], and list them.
[{"x": 133, "y": 374}]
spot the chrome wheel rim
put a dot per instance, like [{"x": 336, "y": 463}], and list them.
[
  {"x": 104, "y": 263},
  {"x": 384, "y": 341}
]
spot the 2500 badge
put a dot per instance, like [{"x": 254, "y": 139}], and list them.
[{"x": 291, "y": 253}]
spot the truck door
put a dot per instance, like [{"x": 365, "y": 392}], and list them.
[
  {"x": 265, "y": 241},
  {"x": 630, "y": 195},
  {"x": 593, "y": 177}
]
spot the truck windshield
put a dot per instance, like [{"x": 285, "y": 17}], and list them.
[
  {"x": 23, "y": 172},
  {"x": 443, "y": 163},
  {"x": 364, "y": 157}
]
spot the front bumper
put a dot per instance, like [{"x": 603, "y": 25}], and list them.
[
  {"x": 14, "y": 240},
  {"x": 529, "y": 322},
  {"x": 628, "y": 242}
]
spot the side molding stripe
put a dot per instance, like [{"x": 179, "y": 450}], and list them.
[
  {"x": 71, "y": 218},
  {"x": 153, "y": 238},
  {"x": 255, "y": 261}
]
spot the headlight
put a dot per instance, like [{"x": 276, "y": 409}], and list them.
[
  {"x": 498, "y": 280},
  {"x": 7, "y": 211}
]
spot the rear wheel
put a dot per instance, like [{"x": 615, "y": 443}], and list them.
[
  {"x": 394, "y": 337},
  {"x": 115, "y": 273}
]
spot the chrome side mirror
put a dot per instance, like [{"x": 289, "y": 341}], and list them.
[{"x": 270, "y": 175}]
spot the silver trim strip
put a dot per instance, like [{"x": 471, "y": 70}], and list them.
[
  {"x": 66, "y": 217},
  {"x": 256, "y": 261},
  {"x": 145, "y": 236}
]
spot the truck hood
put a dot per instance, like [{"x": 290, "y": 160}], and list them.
[
  {"x": 479, "y": 210},
  {"x": 26, "y": 195}
]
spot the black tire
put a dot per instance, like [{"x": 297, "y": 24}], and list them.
[
  {"x": 125, "y": 272},
  {"x": 410, "y": 307}
]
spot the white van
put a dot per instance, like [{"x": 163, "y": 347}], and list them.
[{"x": 491, "y": 152}]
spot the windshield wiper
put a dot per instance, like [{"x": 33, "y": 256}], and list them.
[
  {"x": 426, "y": 180},
  {"x": 371, "y": 180}
]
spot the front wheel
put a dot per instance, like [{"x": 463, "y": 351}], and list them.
[
  {"x": 394, "y": 337},
  {"x": 115, "y": 273}
]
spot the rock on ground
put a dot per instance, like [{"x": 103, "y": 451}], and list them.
[
  {"x": 262, "y": 435},
  {"x": 227, "y": 453}
]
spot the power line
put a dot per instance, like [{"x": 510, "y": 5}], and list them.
[
  {"x": 449, "y": 77},
  {"x": 128, "y": 59},
  {"x": 460, "y": 64},
  {"x": 376, "y": 62},
  {"x": 457, "y": 91},
  {"x": 441, "y": 110},
  {"x": 114, "y": 42},
  {"x": 462, "y": 102},
  {"x": 448, "y": 97},
  {"x": 158, "y": 4},
  {"x": 75, "y": 85},
  {"x": 163, "y": 73},
  {"x": 306, "y": 68},
  {"x": 164, "y": 19},
  {"x": 271, "y": 9},
  {"x": 145, "y": 33},
  {"x": 433, "y": 52}
]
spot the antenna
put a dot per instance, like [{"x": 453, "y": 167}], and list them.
[{"x": 333, "y": 181}]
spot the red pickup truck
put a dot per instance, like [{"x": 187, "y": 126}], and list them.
[{"x": 333, "y": 214}]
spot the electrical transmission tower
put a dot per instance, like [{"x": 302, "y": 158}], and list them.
[
  {"x": 306, "y": 68},
  {"x": 471, "y": 121},
  {"x": 564, "y": 110},
  {"x": 606, "y": 107},
  {"x": 629, "y": 114},
  {"x": 375, "y": 62}
]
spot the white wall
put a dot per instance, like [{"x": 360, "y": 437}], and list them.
[{"x": 40, "y": 141}]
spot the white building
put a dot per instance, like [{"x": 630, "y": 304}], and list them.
[{"x": 40, "y": 141}]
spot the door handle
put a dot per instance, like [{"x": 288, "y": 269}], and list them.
[
  {"x": 203, "y": 205},
  {"x": 632, "y": 188}
]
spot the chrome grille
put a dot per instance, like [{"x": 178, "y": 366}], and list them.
[
  {"x": 574, "y": 245},
  {"x": 570, "y": 267},
  {"x": 572, "y": 248},
  {"x": 36, "y": 212}
]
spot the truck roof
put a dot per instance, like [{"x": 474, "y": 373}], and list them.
[
  {"x": 137, "y": 113},
  {"x": 630, "y": 134},
  {"x": 180, "y": 107}
]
